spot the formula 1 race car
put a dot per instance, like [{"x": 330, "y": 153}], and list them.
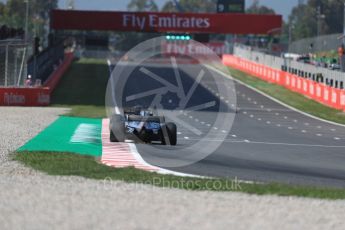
[{"x": 142, "y": 125}]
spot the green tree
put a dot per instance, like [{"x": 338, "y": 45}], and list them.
[
  {"x": 127, "y": 40},
  {"x": 169, "y": 7},
  {"x": 302, "y": 22},
  {"x": 333, "y": 11},
  {"x": 2, "y": 11},
  {"x": 14, "y": 11},
  {"x": 256, "y": 8},
  {"x": 142, "y": 5},
  {"x": 13, "y": 14},
  {"x": 304, "y": 18}
]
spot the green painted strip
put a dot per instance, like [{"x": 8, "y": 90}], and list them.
[{"x": 69, "y": 134}]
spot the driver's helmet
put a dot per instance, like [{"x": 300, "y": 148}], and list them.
[
  {"x": 146, "y": 113},
  {"x": 137, "y": 110}
]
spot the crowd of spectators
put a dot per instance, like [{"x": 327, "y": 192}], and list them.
[
  {"x": 325, "y": 59},
  {"x": 320, "y": 61}
]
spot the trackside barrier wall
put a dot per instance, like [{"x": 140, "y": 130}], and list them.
[
  {"x": 24, "y": 97},
  {"x": 329, "y": 77},
  {"x": 332, "y": 97},
  {"x": 35, "y": 96}
]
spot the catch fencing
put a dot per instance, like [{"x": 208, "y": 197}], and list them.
[
  {"x": 13, "y": 66},
  {"x": 316, "y": 44}
]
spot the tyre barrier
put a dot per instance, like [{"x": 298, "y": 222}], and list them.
[{"x": 329, "y": 96}]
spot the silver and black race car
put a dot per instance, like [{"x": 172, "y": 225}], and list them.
[{"x": 142, "y": 125}]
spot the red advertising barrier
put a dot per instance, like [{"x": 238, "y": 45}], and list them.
[
  {"x": 342, "y": 99},
  {"x": 165, "y": 22},
  {"x": 24, "y": 97},
  {"x": 34, "y": 96},
  {"x": 334, "y": 98}
]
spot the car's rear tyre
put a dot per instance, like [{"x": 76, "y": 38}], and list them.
[
  {"x": 117, "y": 129},
  {"x": 171, "y": 131}
]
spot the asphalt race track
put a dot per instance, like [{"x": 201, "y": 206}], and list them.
[{"x": 267, "y": 143}]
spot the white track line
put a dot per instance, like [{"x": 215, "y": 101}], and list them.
[
  {"x": 271, "y": 143},
  {"x": 274, "y": 99}
]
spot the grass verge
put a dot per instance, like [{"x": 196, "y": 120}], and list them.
[
  {"x": 67, "y": 164},
  {"x": 293, "y": 99},
  {"x": 82, "y": 89},
  {"x": 86, "y": 111}
]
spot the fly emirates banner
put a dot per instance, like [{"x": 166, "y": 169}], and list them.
[{"x": 165, "y": 22}]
